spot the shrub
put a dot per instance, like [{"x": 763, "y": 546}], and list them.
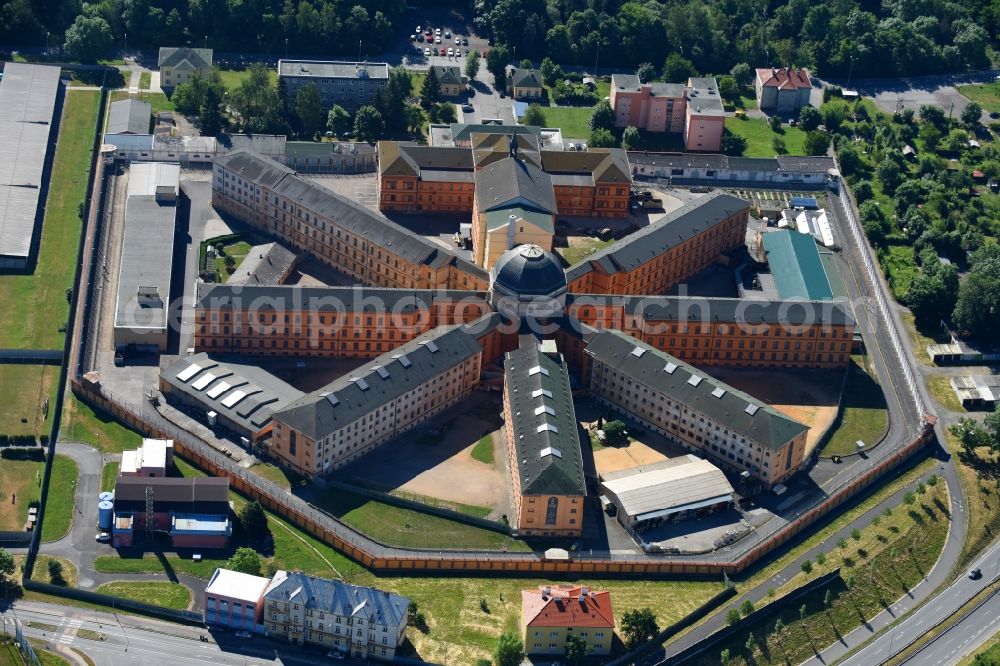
[{"x": 36, "y": 454}]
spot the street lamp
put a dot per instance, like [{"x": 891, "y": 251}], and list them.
[{"x": 850, "y": 71}]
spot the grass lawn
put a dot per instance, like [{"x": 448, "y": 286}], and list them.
[
  {"x": 151, "y": 563},
  {"x": 9, "y": 656},
  {"x": 921, "y": 339},
  {"x": 483, "y": 450},
  {"x": 46, "y": 658},
  {"x": 35, "y": 305},
  {"x": 40, "y": 574},
  {"x": 237, "y": 251},
  {"x": 82, "y": 423},
  {"x": 144, "y": 79},
  {"x": 159, "y": 101},
  {"x": 20, "y": 482},
  {"x": 863, "y": 412},
  {"x": 284, "y": 478},
  {"x": 168, "y": 595},
  {"x": 573, "y": 120},
  {"x": 884, "y": 564},
  {"x": 411, "y": 529},
  {"x": 940, "y": 388},
  {"x": 108, "y": 475},
  {"x": 760, "y": 137},
  {"x": 987, "y": 94},
  {"x": 61, "y": 499},
  {"x": 899, "y": 268},
  {"x": 978, "y": 471},
  {"x": 232, "y": 79},
  {"x": 27, "y": 393},
  {"x": 582, "y": 247}
]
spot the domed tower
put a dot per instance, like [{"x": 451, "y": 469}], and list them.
[{"x": 528, "y": 281}]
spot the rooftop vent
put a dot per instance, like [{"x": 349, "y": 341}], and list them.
[
  {"x": 669, "y": 368},
  {"x": 547, "y": 426},
  {"x": 403, "y": 360},
  {"x": 719, "y": 392},
  {"x": 549, "y": 451},
  {"x": 751, "y": 409},
  {"x": 544, "y": 409},
  {"x": 537, "y": 392},
  {"x": 538, "y": 369},
  {"x": 431, "y": 346},
  {"x": 382, "y": 372},
  {"x": 333, "y": 400},
  {"x": 362, "y": 384},
  {"x": 638, "y": 352},
  {"x": 694, "y": 380}
]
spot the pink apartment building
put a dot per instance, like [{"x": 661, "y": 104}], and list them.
[{"x": 693, "y": 110}]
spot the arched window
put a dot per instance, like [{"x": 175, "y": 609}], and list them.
[{"x": 551, "y": 510}]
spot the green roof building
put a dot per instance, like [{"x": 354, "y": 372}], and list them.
[{"x": 796, "y": 266}]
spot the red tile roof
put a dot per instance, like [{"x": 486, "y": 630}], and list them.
[
  {"x": 784, "y": 77},
  {"x": 561, "y": 606}
]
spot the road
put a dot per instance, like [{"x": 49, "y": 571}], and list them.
[
  {"x": 963, "y": 638},
  {"x": 947, "y": 602},
  {"x": 137, "y": 640}
]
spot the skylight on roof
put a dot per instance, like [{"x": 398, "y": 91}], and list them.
[
  {"x": 204, "y": 381},
  {"x": 538, "y": 369},
  {"x": 669, "y": 368},
  {"x": 547, "y": 426},
  {"x": 230, "y": 400},
  {"x": 638, "y": 351},
  {"x": 719, "y": 392},
  {"x": 403, "y": 360},
  {"x": 333, "y": 399},
  {"x": 431, "y": 346},
  {"x": 544, "y": 409},
  {"x": 362, "y": 384},
  {"x": 549, "y": 451},
  {"x": 382, "y": 372},
  {"x": 537, "y": 392},
  {"x": 189, "y": 372},
  {"x": 751, "y": 409},
  {"x": 694, "y": 380}
]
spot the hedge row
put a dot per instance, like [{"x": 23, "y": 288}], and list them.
[
  {"x": 23, "y": 440},
  {"x": 37, "y": 454}
]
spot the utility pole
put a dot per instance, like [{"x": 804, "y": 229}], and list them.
[
  {"x": 850, "y": 71},
  {"x": 286, "y": 48},
  {"x": 596, "y": 57}
]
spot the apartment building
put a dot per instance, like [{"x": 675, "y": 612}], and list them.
[
  {"x": 235, "y": 600},
  {"x": 728, "y": 332},
  {"x": 694, "y": 109},
  {"x": 782, "y": 90},
  {"x": 347, "y": 84},
  {"x": 342, "y": 233},
  {"x": 377, "y": 402},
  {"x": 543, "y": 447},
  {"x": 442, "y": 179},
  {"x": 553, "y": 613},
  {"x": 337, "y": 322},
  {"x": 180, "y": 64},
  {"x": 668, "y": 251},
  {"x": 706, "y": 416},
  {"x": 359, "y": 622}
]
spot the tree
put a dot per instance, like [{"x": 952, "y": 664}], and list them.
[
  {"x": 751, "y": 644},
  {"x": 841, "y": 543},
  {"x": 779, "y": 626},
  {"x": 977, "y": 310},
  {"x": 809, "y": 118},
  {"x": 817, "y": 143},
  {"x": 856, "y": 534},
  {"x": 934, "y": 115},
  {"x": 933, "y": 293},
  {"x": 534, "y": 116},
  {"x": 413, "y": 118},
  {"x": 742, "y": 73},
  {"x": 724, "y": 657},
  {"x": 509, "y": 650},
  {"x": 338, "y": 120},
  {"x": 55, "y": 568},
  {"x": 971, "y": 434},
  {"x": 496, "y": 64},
  {"x": 210, "y": 113},
  {"x": 576, "y": 650},
  {"x": 733, "y": 144},
  {"x": 253, "y": 520},
  {"x": 921, "y": 488},
  {"x": 89, "y": 38},
  {"x": 430, "y": 89},
  {"x": 972, "y": 114},
  {"x": 930, "y": 135},
  {"x": 309, "y": 110},
  {"x": 821, "y": 558},
  {"x": 729, "y": 89},
  {"x": 909, "y": 498},
  {"x": 6, "y": 566},
  {"x": 602, "y": 138},
  {"x": 746, "y": 607},
  {"x": 525, "y": 64},
  {"x": 828, "y": 599},
  {"x": 775, "y": 123},
  {"x": 646, "y": 72},
  {"x": 630, "y": 138},
  {"x": 445, "y": 112},
  {"x": 779, "y": 145},
  {"x": 833, "y": 116},
  {"x": 245, "y": 560},
  {"x": 677, "y": 69},
  {"x": 615, "y": 433},
  {"x": 602, "y": 117},
  {"x": 807, "y": 567},
  {"x": 733, "y": 615},
  {"x": 472, "y": 64},
  {"x": 368, "y": 124},
  {"x": 256, "y": 102},
  {"x": 638, "y": 626}
]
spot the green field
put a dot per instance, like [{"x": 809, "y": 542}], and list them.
[
  {"x": 168, "y": 595},
  {"x": 284, "y": 478},
  {"x": 987, "y": 94},
  {"x": 20, "y": 483},
  {"x": 940, "y": 388},
  {"x": 573, "y": 120},
  {"x": 237, "y": 251},
  {"x": 9, "y": 656},
  {"x": 61, "y": 498},
  {"x": 582, "y": 247},
  {"x": 35, "y": 306},
  {"x": 159, "y": 101},
  {"x": 863, "y": 413},
  {"x": 483, "y": 450},
  {"x": 899, "y": 268},
  {"x": 144, "y": 80},
  {"x": 82, "y": 423},
  {"x": 760, "y": 137},
  {"x": 27, "y": 397},
  {"x": 232, "y": 79}
]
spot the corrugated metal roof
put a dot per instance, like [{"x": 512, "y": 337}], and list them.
[
  {"x": 667, "y": 486},
  {"x": 129, "y": 116},
  {"x": 796, "y": 266}
]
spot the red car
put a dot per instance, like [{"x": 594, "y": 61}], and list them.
[
  {"x": 428, "y": 32},
  {"x": 444, "y": 51}
]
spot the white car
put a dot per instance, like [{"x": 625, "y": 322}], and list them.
[
  {"x": 333, "y": 654},
  {"x": 451, "y": 52},
  {"x": 102, "y": 537},
  {"x": 242, "y": 634},
  {"x": 437, "y": 40},
  {"x": 458, "y": 41},
  {"x": 427, "y": 53},
  {"x": 437, "y": 31},
  {"x": 418, "y": 30}
]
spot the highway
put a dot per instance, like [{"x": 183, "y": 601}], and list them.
[
  {"x": 138, "y": 640},
  {"x": 964, "y": 638}
]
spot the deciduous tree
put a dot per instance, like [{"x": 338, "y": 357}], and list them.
[
  {"x": 638, "y": 626},
  {"x": 509, "y": 650}
]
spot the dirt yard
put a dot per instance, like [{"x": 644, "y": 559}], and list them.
[
  {"x": 442, "y": 466},
  {"x": 808, "y": 396},
  {"x": 612, "y": 459}
]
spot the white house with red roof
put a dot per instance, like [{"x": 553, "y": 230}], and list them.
[
  {"x": 782, "y": 89},
  {"x": 553, "y": 613}
]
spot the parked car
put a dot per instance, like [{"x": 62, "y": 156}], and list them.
[
  {"x": 418, "y": 29},
  {"x": 458, "y": 42},
  {"x": 420, "y": 38},
  {"x": 427, "y": 53},
  {"x": 443, "y": 51},
  {"x": 242, "y": 634},
  {"x": 467, "y": 108},
  {"x": 333, "y": 654},
  {"x": 437, "y": 40},
  {"x": 437, "y": 31},
  {"x": 451, "y": 51},
  {"x": 447, "y": 34},
  {"x": 974, "y": 574},
  {"x": 103, "y": 537},
  {"x": 465, "y": 41}
]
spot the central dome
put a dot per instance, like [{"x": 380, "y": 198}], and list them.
[{"x": 528, "y": 270}]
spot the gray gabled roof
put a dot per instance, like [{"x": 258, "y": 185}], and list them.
[
  {"x": 449, "y": 75},
  {"x": 525, "y": 78},
  {"x": 172, "y": 56},
  {"x": 129, "y": 116},
  {"x": 265, "y": 264},
  {"x": 514, "y": 181},
  {"x": 544, "y": 425},
  {"x": 253, "y": 167},
  {"x": 674, "y": 228},
  {"x": 343, "y": 599},
  {"x": 366, "y": 389},
  {"x": 723, "y": 404}
]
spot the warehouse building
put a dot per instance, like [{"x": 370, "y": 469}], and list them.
[
  {"x": 28, "y": 95},
  {"x": 811, "y": 173},
  {"x": 227, "y": 395},
  {"x": 143, "y": 297},
  {"x": 347, "y": 84},
  {"x": 193, "y": 512},
  {"x": 704, "y": 415},
  {"x": 797, "y": 268},
  {"x": 667, "y": 491},
  {"x": 543, "y": 444}
]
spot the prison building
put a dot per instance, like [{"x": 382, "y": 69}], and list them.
[
  {"x": 384, "y": 398},
  {"x": 346, "y": 84},
  {"x": 706, "y": 416},
  {"x": 193, "y": 512},
  {"x": 345, "y": 235},
  {"x": 543, "y": 444},
  {"x": 266, "y": 265},
  {"x": 667, "y": 252}
]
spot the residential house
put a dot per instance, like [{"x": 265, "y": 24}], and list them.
[
  {"x": 450, "y": 79},
  {"x": 782, "y": 90},
  {"x": 693, "y": 110},
  {"x": 347, "y": 84},
  {"x": 525, "y": 83},
  {"x": 553, "y": 613},
  {"x": 179, "y": 64}
]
